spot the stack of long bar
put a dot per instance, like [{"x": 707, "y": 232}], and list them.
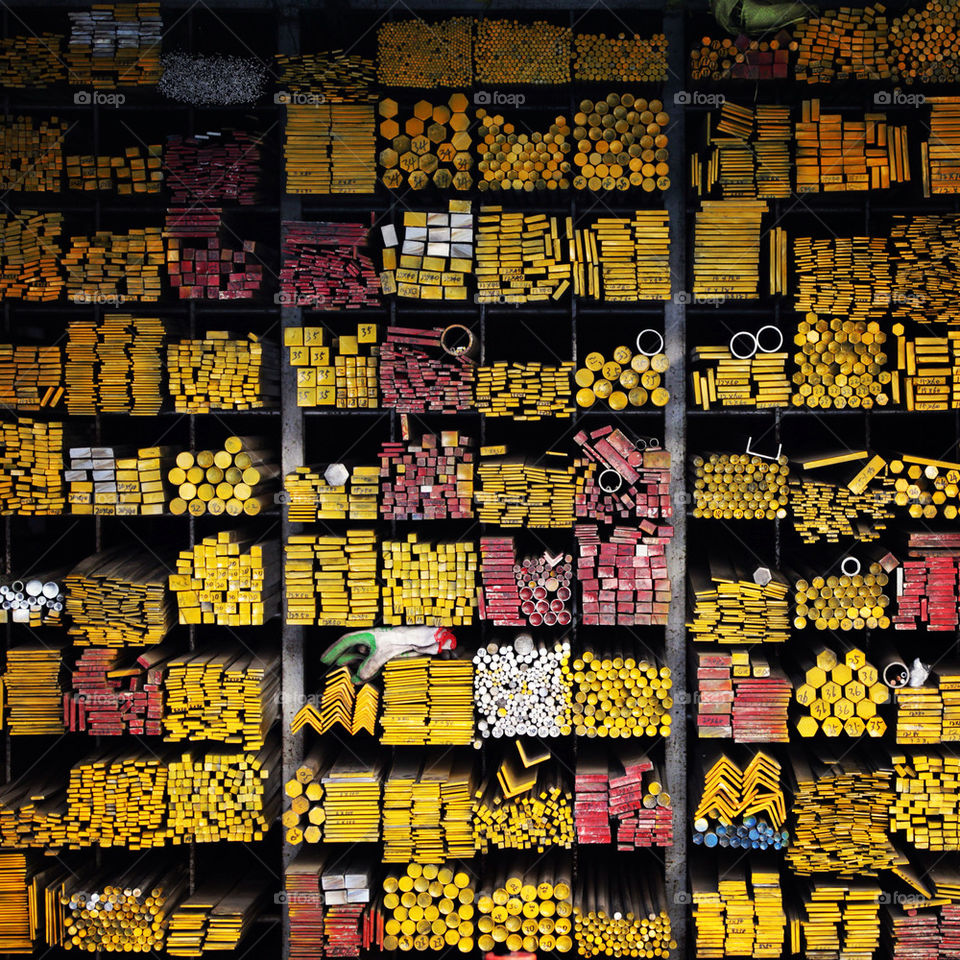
[
  {"x": 843, "y": 602},
  {"x": 31, "y": 158},
  {"x": 217, "y": 916},
  {"x": 750, "y": 155},
  {"x": 842, "y": 919},
  {"x": 835, "y": 154},
  {"x": 742, "y": 807},
  {"x": 535, "y": 819},
  {"x": 623, "y": 579},
  {"x": 525, "y": 391},
  {"x": 417, "y": 377},
  {"x": 117, "y": 599},
  {"x": 603, "y": 689},
  {"x": 32, "y": 61},
  {"x": 527, "y": 906},
  {"x": 741, "y": 697},
  {"x": 236, "y": 479},
  {"x": 909, "y": 932},
  {"x": 112, "y": 694},
  {"x": 629, "y": 480},
  {"x": 740, "y": 486},
  {"x": 512, "y": 51},
  {"x": 419, "y": 53},
  {"x": 34, "y": 698},
  {"x": 199, "y": 266},
  {"x": 919, "y": 714},
  {"x": 36, "y": 600},
  {"x": 826, "y": 511},
  {"x": 30, "y": 256},
  {"x": 332, "y": 581},
  {"x": 726, "y": 256},
  {"x": 520, "y": 257},
  {"x": 128, "y": 915},
  {"x": 621, "y": 259},
  {"x": 133, "y": 172},
  {"x": 618, "y": 913},
  {"x": 212, "y": 167},
  {"x": 840, "y": 815},
  {"x": 922, "y": 43},
  {"x": 341, "y": 374},
  {"x": 639, "y": 806},
  {"x": 928, "y": 371},
  {"x": 435, "y": 584},
  {"x": 336, "y": 493},
  {"x": 515, "y": 493},
  {"x": 31, "y": 468},
  {"x": 324, "y": 266},
  {"x": 341, "y": 75},
  {"x": 849, "y": 42},
  {"x": 928, "y": 584},
  {"x": 231, "y": 579},
  {"x": 499, "y": 600},
  {"x": 301, "y": 884},
  {"x": 621, "y": 58},
  {"x": 330, "y": 148},
  {"x": 840, "y": 364},
  {"x": 31, "y": 378},
  {"x": 441, "y": 888},
  {"x": 114, "y": 366},
  {"x": 427, "y": 700},
  {"x": 522, "y": 689},
  {"x": 427, "y": 480},
  {"x": 843, "y": 277},
  {"x": 352, "y": 797},
  {"x": 116, "y": 267},
  {"x": 927, "y": 803},
  {"x": 759, "y": 381},
  {"x": 841, "y": 697},
  {"x": 20, "y": 884},
  {"x": 524, "y": 161},
  {"x": 637, "y": 373},
  {"x": 436, "y": 253},
  {"x": 115, "y": 45},
  {"x": 591, "y": 809},
  {"x": 938, "y": 163},
  {"x": 428, "y": 810},
  {"x": 231, "y": 698},
  {"x": 223, "y": 372},
  {"x": 924, "y": 286},
  {"x": 733, "y": 919},
  {"x": 728, "y": 608},
  {"x": 204, "y": 797},
  {"x": 113, "y": 481},
  {"x": 742, "y": 58}
]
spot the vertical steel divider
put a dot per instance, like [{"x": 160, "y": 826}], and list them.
[
  {"x": 675, "y": 437},
  {"x": 291, "y": 457}
]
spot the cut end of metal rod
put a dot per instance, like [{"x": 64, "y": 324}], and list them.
[{"x": 762, "y": 576}]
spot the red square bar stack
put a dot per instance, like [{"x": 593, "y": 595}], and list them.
[
  {"x": 534, "y": 591},
  {"x": 591, "y": 808},
  {"x": 640, "y": 810},
  {"x": 112, "y": 695},
  {"x": 418, "y": 376},
  {"x": 212, "y": 167},
  {"x": 927, "y": 583},
  {"x": 323, "y": 266},
  {"x": 427, "y": 481},
  {"x": 499, "y": 599},
  {"x": 714, "y": 695},
  {"x": 624, "y": 580},
  {"x": 208, "y": 271}
]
